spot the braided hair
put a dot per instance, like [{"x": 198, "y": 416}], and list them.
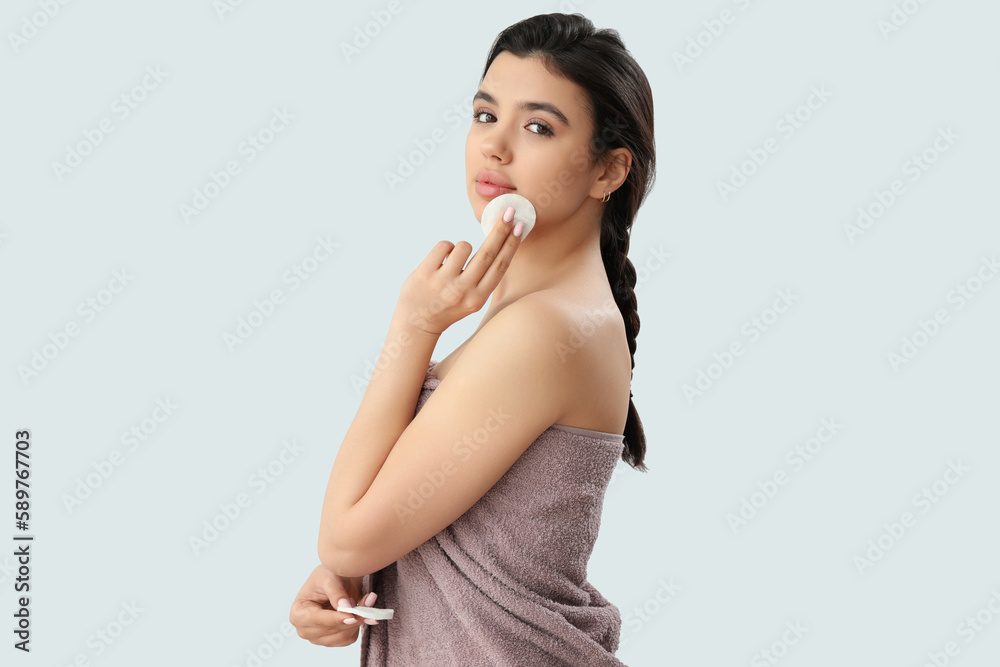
[{"x": 621, "y": 106}]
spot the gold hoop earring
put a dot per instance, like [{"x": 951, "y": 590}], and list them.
[{"x": 607, "y": 196}]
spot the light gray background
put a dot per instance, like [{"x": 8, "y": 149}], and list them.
[{"x": 301, "y": 374}]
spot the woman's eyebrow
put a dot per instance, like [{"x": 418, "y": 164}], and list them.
[{"x": 526, "y": 106}]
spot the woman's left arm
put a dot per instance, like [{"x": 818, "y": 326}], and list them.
[
  {"x": 386, "y": 409},
  {"x": 438, "y": 293}
]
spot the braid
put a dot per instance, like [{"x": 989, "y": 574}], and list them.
[{"x": 622, "y": 277}]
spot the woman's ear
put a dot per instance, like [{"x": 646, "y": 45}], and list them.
[{"x": 614, "y": 174}]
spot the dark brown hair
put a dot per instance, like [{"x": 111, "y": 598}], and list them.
[{"x": 621, "y": 107}]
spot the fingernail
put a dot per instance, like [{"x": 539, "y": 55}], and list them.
[
  {"x": 344, "y": 602},
  {"x": 508, "y": 215},
  {"x": 370, "y": 599},
  {"x": 371, "y": 621},
  {"x": 350, "y": 621},
  {"x": 518, "y": 228}
]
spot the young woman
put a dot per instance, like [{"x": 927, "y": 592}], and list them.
[{"x": 466, "y": 495}]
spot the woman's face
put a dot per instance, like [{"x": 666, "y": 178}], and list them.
[{"x": 543, "y": 152}]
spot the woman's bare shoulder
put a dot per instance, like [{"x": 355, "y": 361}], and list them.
[{"x": 594, "y": 347}]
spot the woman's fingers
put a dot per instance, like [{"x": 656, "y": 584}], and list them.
[
  {"x": 489, "y": 263},
  {"x": 314, "y": 612},
  {"x": 442, "y": 290},
  {"x": 437, "y": 254},
  {"x": 339, "y": 639},
  {"x": 369, "y": 601},
  {"x": 458, "y": 256},
  {"x": 489, "y": 279},
  {"x": 343, "y": 636},
  {"x": 320, "y": 626},
  {"x": 488, "y": 253}
]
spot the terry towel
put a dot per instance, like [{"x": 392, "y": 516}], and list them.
[{"x": 505, "y": 583}]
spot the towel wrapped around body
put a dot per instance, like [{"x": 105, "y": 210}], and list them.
[{"x": 505, "y": 583}]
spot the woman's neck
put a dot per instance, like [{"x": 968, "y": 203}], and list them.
[{"x": 551, "y": 259}]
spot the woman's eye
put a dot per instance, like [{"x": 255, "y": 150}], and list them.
[{"x": 544, "y": 130}]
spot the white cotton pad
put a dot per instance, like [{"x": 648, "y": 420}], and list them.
[
  {"x": 368, "y": 612},
  {"x": 523, "y": 212}
]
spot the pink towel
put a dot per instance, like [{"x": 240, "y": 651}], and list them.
[{"x": 505, "y": 583}]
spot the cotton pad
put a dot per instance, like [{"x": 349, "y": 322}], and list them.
[
  {"x": 523, "y": 212},
  {"x": 368, "y": 612}
]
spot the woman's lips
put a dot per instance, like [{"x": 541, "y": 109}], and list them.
[{"x": 485, "y": 189}]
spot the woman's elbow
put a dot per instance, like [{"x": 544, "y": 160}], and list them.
[
  {"x": 339, "y": 563},
  {"x": 329, "y": 552}
]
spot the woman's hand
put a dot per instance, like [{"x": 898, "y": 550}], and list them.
[
  {"x": 314, "y": 612},
  {"x": 437, "y": 295}
]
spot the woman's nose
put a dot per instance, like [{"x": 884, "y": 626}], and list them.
[{"x": 495, "y": 142}]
